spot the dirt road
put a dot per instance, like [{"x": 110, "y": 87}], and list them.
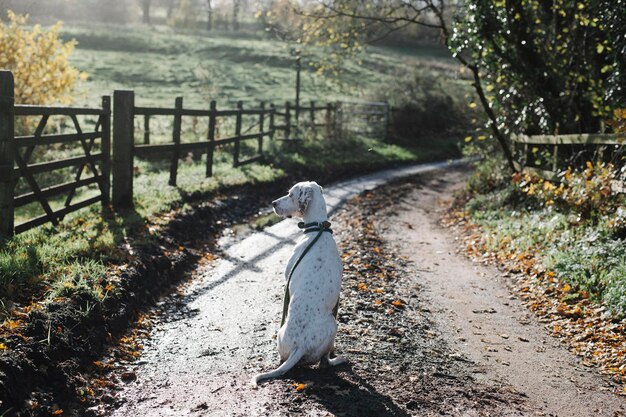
[{"x": 436, "y": 335}]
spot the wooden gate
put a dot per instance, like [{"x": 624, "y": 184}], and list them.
[
  {"x": 363, "y": 118},
  {"x": 22, "y": 148}
]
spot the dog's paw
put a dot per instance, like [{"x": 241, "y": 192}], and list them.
[
  {"x": 336, "y": 361},
  {"x": 254, "y": 382}
]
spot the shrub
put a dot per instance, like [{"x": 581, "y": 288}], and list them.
[
  {"x": 39, "y": 62},
  {"x": 587, "y": 193},
  {"x": 426, "y": 106}
]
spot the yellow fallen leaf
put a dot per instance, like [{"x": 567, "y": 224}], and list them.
[
  {"x": 3, "y": 346},
  {"x": 378, "y": 302},
  {"x": 57, "y": 412},
  {"x": 299, "y": 387},
  {"x": 567, "y": 288},
  {"x": 181, "y": 248},
  {"x": 12, "y": 324},
  {"x": 362, "y": 286},
  {"x": 397, "y": 303}
]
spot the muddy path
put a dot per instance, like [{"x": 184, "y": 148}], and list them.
[{"x": 420, "y": 340}]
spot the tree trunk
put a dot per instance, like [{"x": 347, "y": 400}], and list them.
[
  {"x": 236, "y": 9},
  {"x": 145, "y": 7},
  {"x": 171, "y": 7},
  {"x": 209, "y": 25}
]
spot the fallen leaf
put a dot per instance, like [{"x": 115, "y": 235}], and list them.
[
  {"x": 3, "y": 346},
  {"x": 57, "y": 412},
  {"x": 397, "y": 303},
  {"x": 299, "y": 387}
]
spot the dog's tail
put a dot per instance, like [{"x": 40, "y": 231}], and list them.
[{"x": 291, "y": 361}]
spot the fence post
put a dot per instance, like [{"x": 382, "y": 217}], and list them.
[
  {"x": 313, "y": 128},
  {"x": 272, "y": 126},
  {"x": 146, "y": 129},
  {"x": 7, "y": 134},
  {"x": 178, "y": 121},
  {"x": 261, "y": 127},
  {"x": 211, "y": 137},
  {"x": 106, "y": 149},
  {"x": 338, "y": 121},
  {"x": 287, "y": 120},
  {"x": 238, "y": 134},
  {"x": 329, "y": 121},
  {"x": 387, "y": 127},
  {"x": 123, "y": 140}
]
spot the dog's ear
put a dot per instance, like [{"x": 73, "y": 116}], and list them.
[
  {"x": 317, "y": 185},
  {"x": 306, "y": 194}
]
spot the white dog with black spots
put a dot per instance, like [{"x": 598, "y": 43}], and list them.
[{"x": 307, "y": 335}]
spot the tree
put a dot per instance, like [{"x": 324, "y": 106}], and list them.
[
  {"x": 236, "y": 10},
  {"x": 209, "y": 25},
  {"x": 546, "y": 63},
  {"x": 145, "y": 9},
  {"x": 537, "y": 66},
  {"x": 39, "y": 61}
]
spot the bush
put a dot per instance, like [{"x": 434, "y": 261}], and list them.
[
  {"x": 587, "y": 193},
  {"x": 424, "y": 106},
  {"x": 39, "y": 62}
]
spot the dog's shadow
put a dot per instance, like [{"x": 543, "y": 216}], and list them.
[{"x": 343, "y": 392}]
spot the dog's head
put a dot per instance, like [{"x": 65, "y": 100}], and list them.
[{"x": 298, "y": 200}]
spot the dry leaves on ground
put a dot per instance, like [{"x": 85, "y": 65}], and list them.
[{"x": 587, "y": 328}]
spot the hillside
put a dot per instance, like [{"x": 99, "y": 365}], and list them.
[{"x": 160, "y": 64}]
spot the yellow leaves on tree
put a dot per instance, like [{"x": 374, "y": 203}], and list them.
[{"x": 39, "y": 62}]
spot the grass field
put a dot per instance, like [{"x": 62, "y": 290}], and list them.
[{"x": 160, "y": 64}]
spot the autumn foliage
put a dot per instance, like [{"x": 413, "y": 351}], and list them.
[{"x": 39, "y": 61}]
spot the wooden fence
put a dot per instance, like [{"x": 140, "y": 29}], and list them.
[
  {"x": 108, "y": 150},
  {"x": 18, "y": 150},
  {"x": 559, "y": 148}
]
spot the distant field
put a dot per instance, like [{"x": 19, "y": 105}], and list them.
[{"x": 160, "y": 64}]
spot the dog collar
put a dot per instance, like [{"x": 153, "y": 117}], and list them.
[{"x": 315, "y": 227}]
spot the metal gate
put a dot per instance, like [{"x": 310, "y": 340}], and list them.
[{"x": 370, "y": 119}]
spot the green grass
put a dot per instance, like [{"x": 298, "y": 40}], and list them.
[
  {"x": 160, "y": 64},
  {"x": 589, "y": 254}
]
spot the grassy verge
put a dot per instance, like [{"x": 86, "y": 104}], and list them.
[
  {"x": 574, "y": 229},
  {"x": 565, "y": 244}
]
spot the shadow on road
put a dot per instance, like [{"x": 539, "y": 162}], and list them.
[{"x": 343, "y": 392}]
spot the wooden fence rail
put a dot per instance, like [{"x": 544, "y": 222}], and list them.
[
  {"x": 521, "y": 145},
  {"x": 108, "y": 150}
]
